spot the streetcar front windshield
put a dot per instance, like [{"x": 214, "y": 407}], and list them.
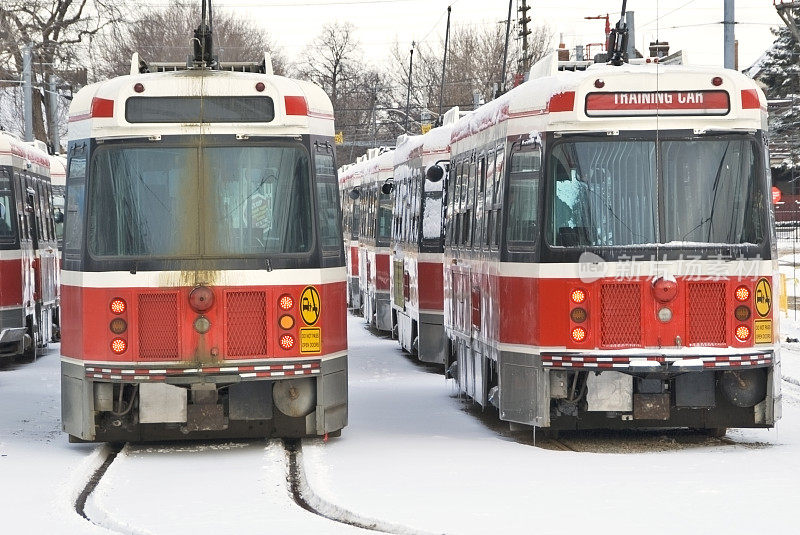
[
  {"x": 179, "y": 202},
  {"x": 623, "y": 193}
]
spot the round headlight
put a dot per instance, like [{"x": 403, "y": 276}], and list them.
[
  {"x": 664, "y": 314},
  {"x": 202, "y": 325}
]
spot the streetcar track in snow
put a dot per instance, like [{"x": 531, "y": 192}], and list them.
[
  {"x": 80, "y": 504},
  {"x": 306, "y": 498},
  {"x": 298, "y": 488}
]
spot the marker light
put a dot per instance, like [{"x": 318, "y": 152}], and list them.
[
  {"x": 260, "y": 87},
  {"x": 599, "y": 84},
  {"x": 716, "y": 81},
  {"x": 742, "y": 332},
  {"x": 742, "y": 313},
  {"x": 287, "y": 341},
  {"x": 118, "y": 326},
  {"x": 139, "y": 87},
  {"x": 286, "y": 302},
  {"x": 742, "y": 293},
  {"x": 118, "y": 305},
  {"x": 286, "y": 322},
  {"x": 578, "y": 296},
  {"x": 578, "y": 315},
  {"x": 579, "y": 334},
  {"x": 119, "y": 345}
]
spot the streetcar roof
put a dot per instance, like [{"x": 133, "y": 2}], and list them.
[
  {"x": 11, "y": 148},
  {"x": 58, "y": 170},
  {"x": 557, "y": 101},
  {"x": 99, "y": 110}
]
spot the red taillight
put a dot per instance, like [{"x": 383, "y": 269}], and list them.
[
  {"x": 102, "y": 107},
  {"x": 287, "y": 341},
  {"x": 742, "y": 293},
  {"x": 742, "y": 332},
  {"x": 119, "y": 345},
  {"x": 578, "y": 296},
  {"x": 716, "y": 81},
  {"x": 295, "y": 105},
  {"x": 579, "y": 334},
  {"x": 286, "y": 302},
  {"x": 118, "y": 305}
]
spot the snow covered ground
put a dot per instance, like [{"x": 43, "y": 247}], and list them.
[{"x": 413, "y": 456}]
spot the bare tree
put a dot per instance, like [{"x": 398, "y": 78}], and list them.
[
  {"x": 164, "y": 34},
  {"x": 358, "y": 92},
  {"x": 331, "y": 58},
  {"x": 474, "y": 68},
  {"x": 57, "y": 30}
]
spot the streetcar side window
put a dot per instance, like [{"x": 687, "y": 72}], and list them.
[
  {"x": 523, "y": 199},
  {"x": 328, "y": 205}
]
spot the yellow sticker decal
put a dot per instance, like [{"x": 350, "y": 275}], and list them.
[
  {"x": 310, "y": 340},
  {"x": 763, "y": 334},
  {"x": 763, "y": 297},
  {"x": 309, "y": 305}
]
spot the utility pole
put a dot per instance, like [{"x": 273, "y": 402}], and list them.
[
  {"x": 524, "y": 19},
  {"x": 27, "y": 90},
  {"x": 408, "y": 96},
  {"x": 730, "y": 47},
  {"x": 629, "y": 21},
  {"x": 52, "y": 95},
  {"x": 505, "y": 49},
  {"x": 444, "y": 63}
]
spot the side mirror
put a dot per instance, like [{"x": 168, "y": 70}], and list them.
[
  {"x": 355, "y": 193},
  {"x": 387, "y": 187},
  {"x": 434, "y": 173},
  {"x": 58, "y": 216}
]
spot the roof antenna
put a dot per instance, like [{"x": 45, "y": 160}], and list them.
[
  {"x": 618, "y": 40},
  {"x": 202, "y": 42}
]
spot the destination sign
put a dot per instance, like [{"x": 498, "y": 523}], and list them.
[{"x": 644, "y": 103}]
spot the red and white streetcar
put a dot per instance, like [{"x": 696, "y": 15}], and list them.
[
  {"x": 204, "y": 281},
  {"x": 609, "y": 251},
  {"x": 28, "y": 260},
  {"x": 417, "y": 242},
  {"x": 349, "y": 184},
  {"x": 372, "y": 192}
]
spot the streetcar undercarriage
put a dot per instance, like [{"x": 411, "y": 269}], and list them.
[
  {"x": 216, "y": 407},
  {"x": 526, "y": 392}
]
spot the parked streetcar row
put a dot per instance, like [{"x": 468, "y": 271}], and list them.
[{"x": 593, "y": 249}]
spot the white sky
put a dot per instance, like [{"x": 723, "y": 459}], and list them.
[{"x": 692, "y": 25}]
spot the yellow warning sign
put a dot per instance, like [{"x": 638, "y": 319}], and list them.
[
  {"x": 763, "y": 297},
  {"x": 763, "y": 334},
  {"x": 310, "y": 340},
  {"x": 309, "y": 305}
]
